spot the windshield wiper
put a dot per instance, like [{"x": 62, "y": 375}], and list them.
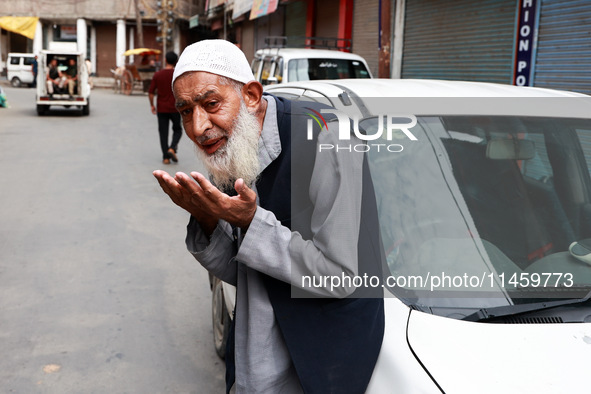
[{"x": 510, "y": 310}]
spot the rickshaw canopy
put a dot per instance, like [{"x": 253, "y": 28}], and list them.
[{"x": 142, "y": 51}]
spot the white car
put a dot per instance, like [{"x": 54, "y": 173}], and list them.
[
  {"x": 282, "y": 65},
  {"x": 19, "y": 68},
  {"x": 484, "y": 202}
]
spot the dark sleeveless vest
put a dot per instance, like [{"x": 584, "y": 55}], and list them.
[{"x": 333, "y": 343}]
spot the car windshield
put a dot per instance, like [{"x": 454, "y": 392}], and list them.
[
  {"x": 326, "y": 68},
  {"x": 481, "y": 210}
]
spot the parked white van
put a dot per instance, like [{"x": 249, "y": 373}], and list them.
[{"x": 19, "y": 68}]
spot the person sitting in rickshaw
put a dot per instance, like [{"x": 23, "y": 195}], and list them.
[
  {"x": 54, "y": 79},
  {"x": 71, "y": 74}
]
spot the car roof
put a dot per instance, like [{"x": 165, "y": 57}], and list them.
[
  {"x": 432, "y": 97},
  {"x": 300, "y": 53},
  {"x": 380, "y": 87}
]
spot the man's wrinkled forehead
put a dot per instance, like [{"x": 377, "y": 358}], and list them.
[
  {"x": 196, "y": 77},
  {"x": 197, "y": 98},
  {"x": 195, "y": 86}
]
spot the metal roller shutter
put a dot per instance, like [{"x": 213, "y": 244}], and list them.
[
  {"x": 295, "y": 18},
  {"x": 563, "y": 58},
  {"x": 459, "y": 40}
]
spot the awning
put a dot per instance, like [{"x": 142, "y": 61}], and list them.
[
  {"x": 211, "y": 4},
  {"x": 262, "y": 8},
  {"x": 215, "y": 8},
  {"x": 24, "y": 25},
  {"x": 255, "y": 8},
  {"x": 241, "y": 7}
]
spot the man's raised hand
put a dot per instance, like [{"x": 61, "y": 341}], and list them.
[
  {"x": 237, "y": 210},
  {"x": 206, "y": 202}
]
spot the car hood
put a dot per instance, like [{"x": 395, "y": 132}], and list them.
[{"x": 467, "y": 357}]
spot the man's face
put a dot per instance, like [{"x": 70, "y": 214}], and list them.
[
  {"x": 225, "y": 132},
  {"x": 53, "y": 63},
  {"x": 208, "y": 109},
  {"x": 71, "y": 62}
]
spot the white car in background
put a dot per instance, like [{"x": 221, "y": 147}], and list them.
[
  {"x": 485, "y": 222},
  {"x": 282, "y": 65},
  {"x": 19, "y": 69}
]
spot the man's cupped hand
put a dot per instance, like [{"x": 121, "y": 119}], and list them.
[{"x": 206, "y": 203}]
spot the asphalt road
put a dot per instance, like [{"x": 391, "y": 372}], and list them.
[{"x": 97, "y": 291}]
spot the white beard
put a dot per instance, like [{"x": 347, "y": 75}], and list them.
[{"x": 239, "y": 157}]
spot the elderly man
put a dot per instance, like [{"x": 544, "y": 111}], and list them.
[{"x": 263, "y": 227}]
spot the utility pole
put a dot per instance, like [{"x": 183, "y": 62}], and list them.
[
  {"x": 385, "y": 39},
  {"x": 140, "y": 30},
  {"x": 165, "y": 23}
]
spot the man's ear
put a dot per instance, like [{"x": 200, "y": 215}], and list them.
[{"x": 252, "y": 92}]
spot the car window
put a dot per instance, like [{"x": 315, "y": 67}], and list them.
[
  {"x": 279, "y": 69},
  {"x": 271, "y": 68},
  {"x": 312, "y": 69},
  {"x": 474, "y": 193},
  {"x": 28, "y": 61},
  {"x": 301, "y": 94},
  {"x": 15, "y": 60},
  {"x": 310, "y": 95}
]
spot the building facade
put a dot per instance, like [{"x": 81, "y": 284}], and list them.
[
  {"x": 545, "y": 43},
  {"x": 349, "y": 24},
  {"x": 103, "y": 30}
]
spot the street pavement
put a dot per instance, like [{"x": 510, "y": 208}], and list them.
[{"x": 97, "y": 291}]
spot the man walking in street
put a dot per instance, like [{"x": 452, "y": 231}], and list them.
[{"x": 165, "y": 109}]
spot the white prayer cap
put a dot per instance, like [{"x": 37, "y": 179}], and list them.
[{"x": 218, "y": 57}]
